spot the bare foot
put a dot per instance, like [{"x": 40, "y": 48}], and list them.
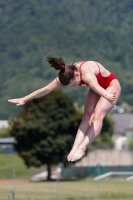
[
  {"x": 78, "y": 155},
  {"x": 71, "y": 154}
]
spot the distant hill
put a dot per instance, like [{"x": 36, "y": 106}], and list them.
[{"x": 76, "y": 30}]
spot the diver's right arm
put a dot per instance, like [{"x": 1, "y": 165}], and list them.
[{"x": 38, "y": 93}]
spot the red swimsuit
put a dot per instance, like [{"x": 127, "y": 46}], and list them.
[{"x": 103, "y": 81}]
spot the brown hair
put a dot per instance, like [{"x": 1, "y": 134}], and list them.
[{"x": 66, "y": 73}]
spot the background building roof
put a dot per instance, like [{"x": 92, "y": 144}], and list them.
[{"x": 122, "y": 122}]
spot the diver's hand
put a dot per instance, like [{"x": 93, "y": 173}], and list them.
[
  {"x": 111, "y": 98},
  {"x": 18, "y": 102}
]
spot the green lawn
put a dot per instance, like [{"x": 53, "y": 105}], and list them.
[
  {"x": 87, "y": 189},
  {"x": 10, "y": 163}
]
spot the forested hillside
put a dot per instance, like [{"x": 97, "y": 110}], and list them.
[{"x": 74, "y": 29}]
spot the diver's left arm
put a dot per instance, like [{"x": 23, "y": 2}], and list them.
[{"x": 91, "y": 80}]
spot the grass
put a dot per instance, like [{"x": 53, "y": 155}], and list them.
[
  {"x": 87, "y": 189},
  {"x": 9, "y": 162}
]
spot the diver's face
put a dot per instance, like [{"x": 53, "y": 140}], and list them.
[{"x": 75, "y": 82}]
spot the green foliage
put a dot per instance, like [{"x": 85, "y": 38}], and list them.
[
  {"x": 6, "y": 131},
  {"x": 130, "y": 145},
  {"x": 45, "y": 129},
  {"x": 127, "y": 107},
  {"x": 77, "y": 30}
]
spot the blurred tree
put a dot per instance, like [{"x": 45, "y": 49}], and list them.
[
  {"x": 45, "y": 130},
  {"x": 130, "y": 145},
  {"x": 126, "y": 107},
  {"x": 6, "y": 131}
]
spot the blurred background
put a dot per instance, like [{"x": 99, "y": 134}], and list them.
[{"x": 36, "y": 138}]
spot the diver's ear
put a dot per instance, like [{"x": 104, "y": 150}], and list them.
[{"x": 77, "y": 73}]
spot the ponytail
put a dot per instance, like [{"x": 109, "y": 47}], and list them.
[
  {"x": 57, "y": 63},
  {"x": 66, "y": 73}
]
